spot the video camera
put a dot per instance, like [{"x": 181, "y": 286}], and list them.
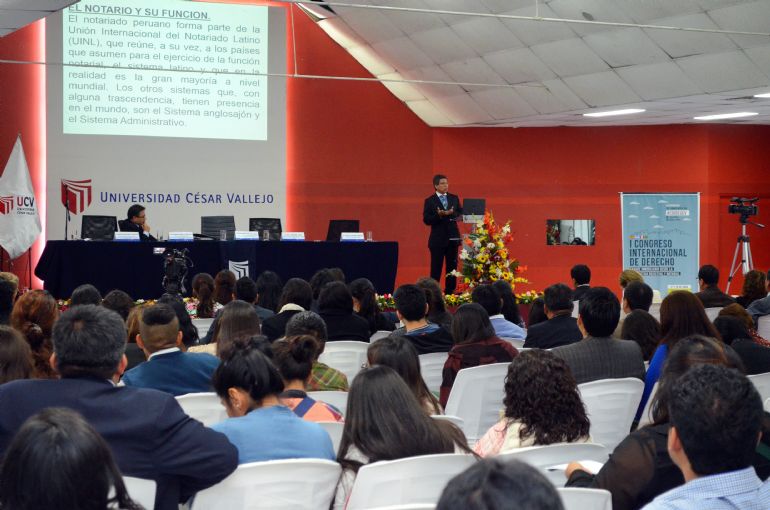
[
  {"x": 175, "y": 264},
  {"x": 746, "y": 207}
]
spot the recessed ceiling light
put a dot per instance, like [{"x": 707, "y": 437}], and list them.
[
  {"x": 736, "y": 115},
  {"x": 614, "y": 112},
  {"x": 762, "y": 95}
]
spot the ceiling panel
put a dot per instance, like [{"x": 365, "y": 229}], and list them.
[
  {"x": 442, "y": 45},
  {"x": 718, "y": 72},
  {"x": 569, "y": 57},
  {"x": 658, "y": 81},
  {"x": 486, "y": 35},
  {"x": 602, "y": 89},
  {"x": 681, "y": 44},
  {"x": 625, "y": 47},
  {"x": 519, "y": 65}
]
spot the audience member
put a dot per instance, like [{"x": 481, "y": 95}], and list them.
[
  {"x": 335, "y": 306},
  {"x": 202, "y": 302},
  {"x": 629, "y": 275},
  {"x": 640, "y": 467},
  {"x": 119, "y": 302},
  {"x": 644, "y": 329},
  {"x": 581, "y": 279},
  {"x": 437, "y": 313},
  {"x": 134, "y": 354},
  {"x": 475, "y": 344},
  {"x": 324, "y": 377},
  {"x": 755, "y": 357},
  {"x": 269, "y": 287},
  {"x": 760, "y": 307},
  {"x": 10, "y": 277},
  {"x": 636, "y": 296},
  {"x": 296, "y": 297},
  {"x": 736, "y": 310},
  {"x": 224, "y": 287},
  {"x": 61, "y": 443},
  {"x": 258, "y": 424},
  {"x": 148, "y": 432},
  {"x": 188, "y": 329},
  {"x": 537, "y": 312},
  {"x": 168, "y": 368},
  {"x": 715, "y": 416},
  {"x": 317, "y": 282},
  {"x": 293, "y": 357},
  {"x": 411, "y": 309},
  {"x": 599, "y": 355},
  {"x": 754, "y": 287},
  {"x": 338, "y": 274},
  {"x": 560, "y": 328},
  {"x": 238, "y": 319},
  {"x": 85, "y": 294},
  {"x": 542, "y": 406},
  {"x": 681, "y": 315},
  {"x": 510, "y": 307},
  {"x": 7, "y": 297},
  {"x": 494, "y": 484},
  {"x": 15, "y": 356},
  {"x": 365, "y": 305},
  {"x": 710, "y": 294},
  {"x": 490, "y": 300},
  {"x": 399, "y": 354},
  {"x": 384, "y": 421},
  {"x": 34, "y": 315},
  {"x": 245, "y": 290}
]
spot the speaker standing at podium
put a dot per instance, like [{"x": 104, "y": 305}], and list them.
[
  {"x": 440, "y": 212},
  {"x": 136, "y": 222}
]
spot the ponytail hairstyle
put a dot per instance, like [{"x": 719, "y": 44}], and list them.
[
  {"x": 33, "y": 316},
  {"x": 294, "y": 356},
  {"x": 203, "y": 290}
]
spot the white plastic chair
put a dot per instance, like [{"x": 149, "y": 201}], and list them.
[
  {"x": 347, "y": 356},
  {"x": 454, "y": 419},
  {"x": 432, "y": 367},
  {"x": 575, "y": 498},
  {"x": 655, "y": 310},
  {"x": 544, "y": 458},
  {"x": 273, "y": 485},
  {"x": 767, "y": 405},
  {"x": 575, "y": 308},
  {"x": 334, "y": 429},
  {"x": 202, "y": 325},
  {"x": 477, "y": 398},
  {"x": 516, "y": 342},
  {"x": 406, "y": 481},
  {"x": 713, "y": 312},
  {"x": 204, "y": 407},
  {"x": 763, "y": 326},
  {"x": 611, "y": 405},
  {"x": 762, "y": 383},
  {"x": 646, "y": 417},
  {"x": 416, "y": 506},
  {"x": 338, "y": 399},
  {"x": 378, "y": 335},
  {"x": 142, "y": 491}
]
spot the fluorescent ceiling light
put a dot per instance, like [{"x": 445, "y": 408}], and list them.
[
  {"x": 762, "y": 95},
  {"x": 736, "y": 115},
  {"x": 614, "y": 112}
]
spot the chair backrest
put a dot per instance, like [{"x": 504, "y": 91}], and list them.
[
  {"x": 337, "y": 227},
  {"x": 272, "y": 225},
  {"x": 762, "y": 383},
  {"x": 575, "y": 498},
  {"x": 304, "y": 484},
  {"x": 141, "y": 491},
  {"x": 202, "y": 325},
  {"x": 454, "y": 419},
  {"x": 611, "y": 405},
  {"x": 415, "y": 506},
  {"x": 405, "y": 481},
  {"x": 204, "y": 407},
  {"x": 646, "y": 417},
  {"x": 338, "y": 399},
  {"x": 516, "y": 342},
  {"x": 763, "y": 326},
  {"x": 379, "y": 335},
  {"x": 546, "y": 458},
  {"x": 431, "y": 368},
  {"x": 347, "y": 356},
  {"x": 211, "y": 225},
  {"x": 767, "y": 405},
  {"x": 334, "y": 429},
  {"x": 713, "y": 312},
  {"x": 655, "y": 310},
  {"x": 477, "y": 397},
  {"x": 575, "y": 308},
  {"x": 100, "y": 228}
]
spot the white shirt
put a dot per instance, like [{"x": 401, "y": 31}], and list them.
[{"x": 162, "y": 351}]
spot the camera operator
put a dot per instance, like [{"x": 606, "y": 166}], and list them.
[
  {"x": 175, "y": 264},
  {"x": 136, "y": 221}
]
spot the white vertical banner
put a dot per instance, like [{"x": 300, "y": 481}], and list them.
[{"x": 19, "y": 218}]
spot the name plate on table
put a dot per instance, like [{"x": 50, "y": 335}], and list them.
[
  {"x": 180, "y": 236},
  {"x": 126, "y": 237},
  {"x": 292, "y": 236},
  {"x": 355, "y": 237},
  {"x": 246, "y": 235}
]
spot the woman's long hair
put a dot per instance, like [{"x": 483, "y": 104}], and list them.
[
  {"x": 224, "y": 286},
  {"x": 510, "y": 309},
  {"x": 237, "y": 320},
  {"x": 471, "y": 324},
  {"x": 384, "y": 421},
  {"x": 363, "y": 291},
  {"x": 437, "y": 313},
  {"x": 542, "y": 394},
  {"x": 33, "y": 316},
  {"x": 399, "y": 354},
  {"x": 642, "y": 328},
  {"x": 269, "y": 288},
  {"x": 754, "y": 286},
  {"x": 682, "y": 315},
  {"x": 15, "y": 356},
  {"x": 203, "y": 291}
]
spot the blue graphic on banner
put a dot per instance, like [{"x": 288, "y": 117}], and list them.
[{"x": 661, "y": 238}]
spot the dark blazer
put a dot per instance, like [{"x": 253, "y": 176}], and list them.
[
  {"x": 557, "y": 331},
  {"x": 592, "y": 359},
  {"x": 149, "y": 434},
  {"x": 439, "y": 340},
  {"x": 127, "y": 226},
  {"x": 342, "y": 325},
  {"x": 275, "y": 327},
  {"x": 177, "y": 373},
  {"x": 712, "y": 297},
  {"x": 579, "y": 292},
  {"x": 442, "y": 228}
]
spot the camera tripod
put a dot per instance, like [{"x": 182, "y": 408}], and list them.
[{"x": 743, "y": 246}]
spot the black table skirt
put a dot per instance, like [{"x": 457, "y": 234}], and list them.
[{"x": 134, "y": 268}]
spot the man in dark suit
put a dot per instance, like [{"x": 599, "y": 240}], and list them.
[
  {"x": 168, "y": 368},
  {"x": 581, "y": 279},
  {"x": 136, "y": 221},
  {"x": 710, "y": 295},
  {"x": 440, "y": 211},
  {"x": 599, "y": 355},
  {"x": 560, "y": 328},
  {"x": 149, "y": 434}
]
